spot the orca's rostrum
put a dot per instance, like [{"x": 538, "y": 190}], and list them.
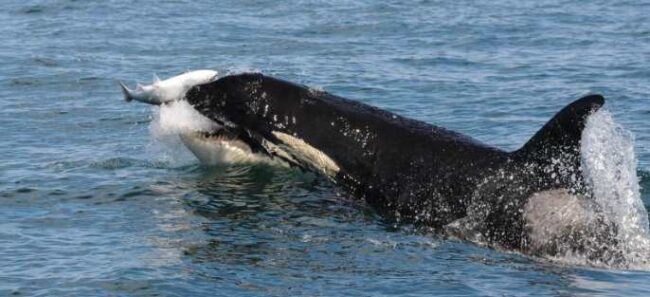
[{"x": 533, "y": 199}]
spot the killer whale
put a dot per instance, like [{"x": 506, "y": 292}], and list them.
[
  {"x": 409, "y": 170},
  {"x": 532, "y": 199}
]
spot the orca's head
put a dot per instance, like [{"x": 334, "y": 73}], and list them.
[
  {"x": 251, "y": 101},
  {"x": 262, "y": 111}
]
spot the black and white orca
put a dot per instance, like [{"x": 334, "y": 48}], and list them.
[{"x": 416, "y": 172}]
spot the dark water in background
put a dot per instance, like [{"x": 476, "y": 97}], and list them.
[{"x": 90, "y": 204}]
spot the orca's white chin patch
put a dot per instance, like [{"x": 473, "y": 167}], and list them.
[{"x": 216, "y": 150}]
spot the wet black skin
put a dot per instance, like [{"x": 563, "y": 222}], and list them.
[{"x": 409, "y": 170}]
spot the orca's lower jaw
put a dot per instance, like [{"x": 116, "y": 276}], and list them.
[
  {"x": 220, "y": 147},
  {"x": 267, "y": 138},
  {"x": 262, "y": 141}
]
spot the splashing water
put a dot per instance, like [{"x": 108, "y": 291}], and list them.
[
  {"x": 170, "y": 120},
  {"x": 609, "y": 166}
]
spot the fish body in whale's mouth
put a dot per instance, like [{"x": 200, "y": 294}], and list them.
[{"x": 168, "y": 90}]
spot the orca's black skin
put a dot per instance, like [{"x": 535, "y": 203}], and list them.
[{"x": 407, "y": 169}]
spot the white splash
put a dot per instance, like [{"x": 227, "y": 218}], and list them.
[
  {"x": 180, "y": 117},
  {"x": 609, "y": 168},
  {"x": 171, "y": 120}
]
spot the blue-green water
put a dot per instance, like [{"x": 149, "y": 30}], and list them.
[{"x": 92, "y": 203}]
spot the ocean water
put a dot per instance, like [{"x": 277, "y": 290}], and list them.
[{"x": 98, "y": 197}]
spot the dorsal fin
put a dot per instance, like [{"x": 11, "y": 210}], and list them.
[
  {"x": 550, "y": 160},
  {"x": 564, "y": 131},
  {"x": 156, "y": 79}
]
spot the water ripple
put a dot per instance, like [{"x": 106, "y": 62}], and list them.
[{"x": 90, "y": 206}]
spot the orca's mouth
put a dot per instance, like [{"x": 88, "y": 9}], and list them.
[
  {"x": 222, "y": 146},
  {"x": 275, "y": 145},
  {"x": 223, "y": 135},
  {"x": 234, "y": 133}
]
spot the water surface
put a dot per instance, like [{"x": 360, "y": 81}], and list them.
[{"x": 94, "y": 202}]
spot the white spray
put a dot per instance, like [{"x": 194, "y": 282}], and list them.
[
  {"x": 609, "y": 166},
  {"x": 170, "y": 121}
]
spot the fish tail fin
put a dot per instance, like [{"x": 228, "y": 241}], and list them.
[{"x": 128, "y": 97}]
